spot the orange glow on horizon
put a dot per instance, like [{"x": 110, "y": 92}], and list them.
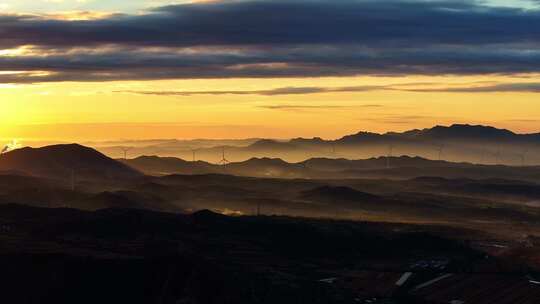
[{"x": 99, "y": 111}]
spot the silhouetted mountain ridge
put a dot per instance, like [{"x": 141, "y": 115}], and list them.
[
  {"x": 402, "y": 167},
  {"x": 63, "y": 161},
  {"x": 462, "y": 131},
  {"x": 452, "y": 132},
  {"x": 457, "y": 142}
]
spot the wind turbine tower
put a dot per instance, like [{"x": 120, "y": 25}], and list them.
[
  {"x": 125, "y": 150},
  {"x": 522, "y": 156},
  {"x": 73, "y": 179},
  {"x": 440, "y": 149},
  {"x": 390, "y": 152},
  {"x": 497, "y": 156},
  {"x": 482, "y": 156},
  {"x": 224, "y": 160}
]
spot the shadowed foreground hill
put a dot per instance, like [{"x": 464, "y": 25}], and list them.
[
  {"x": 137, "y": 256},
  {"x": 61, "y": 161},
  {"x": 426, "y": 226}
]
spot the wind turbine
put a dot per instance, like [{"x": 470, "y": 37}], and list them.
[
  {"x": 223, "y": 160},
  {"x": 440, "y": 149},
  {"x": 73, "y": 180},
  {"x": 522, "y": 157},
  {"x": 194, "y": 158},
  {"x": 126, "y": 150},
  {"x": 497, "y": 156},
  {"x": 390, "y": 152},
  {"x": 482, "y": 156},
  {"x": 193, "y": 153}
]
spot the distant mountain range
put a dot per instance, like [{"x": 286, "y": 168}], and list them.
[
  {"x": 343, "y": 158},
  {"x": 455, "y": 132},
  {"x": 461, "y": 133},
  {"x": 403, "y": 167},
  {"x": 457, "y": 143},
  {"x": 403, "y": 186},
  {"x": 464, "y": 132}
]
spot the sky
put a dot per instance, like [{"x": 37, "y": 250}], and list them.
[{"x": 97, "y": 70}]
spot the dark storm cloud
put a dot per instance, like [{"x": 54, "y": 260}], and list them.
[
  {"x": 286, "y": 22},
  {"x": 278, "y": 39}
]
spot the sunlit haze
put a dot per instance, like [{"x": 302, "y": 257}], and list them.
[
  {"x": 99, "y": 70},
  {"x": 270, "y": 151}
]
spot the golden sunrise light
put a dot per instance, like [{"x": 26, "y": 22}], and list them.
[
  {"x": 270, "y": 151},
  {"x": 100, "y": 81},
  {"x": 64, "y": 110}
]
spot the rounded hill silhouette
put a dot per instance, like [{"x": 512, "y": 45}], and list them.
[{"x": 61, "y": 161}]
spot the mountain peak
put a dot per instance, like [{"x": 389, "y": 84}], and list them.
[
  {"x": 301, "y": 140},
  {"x": 60, "y": 161},
  {"x": 457, "y": 131},
  {"x": 361, "y": 136}
]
